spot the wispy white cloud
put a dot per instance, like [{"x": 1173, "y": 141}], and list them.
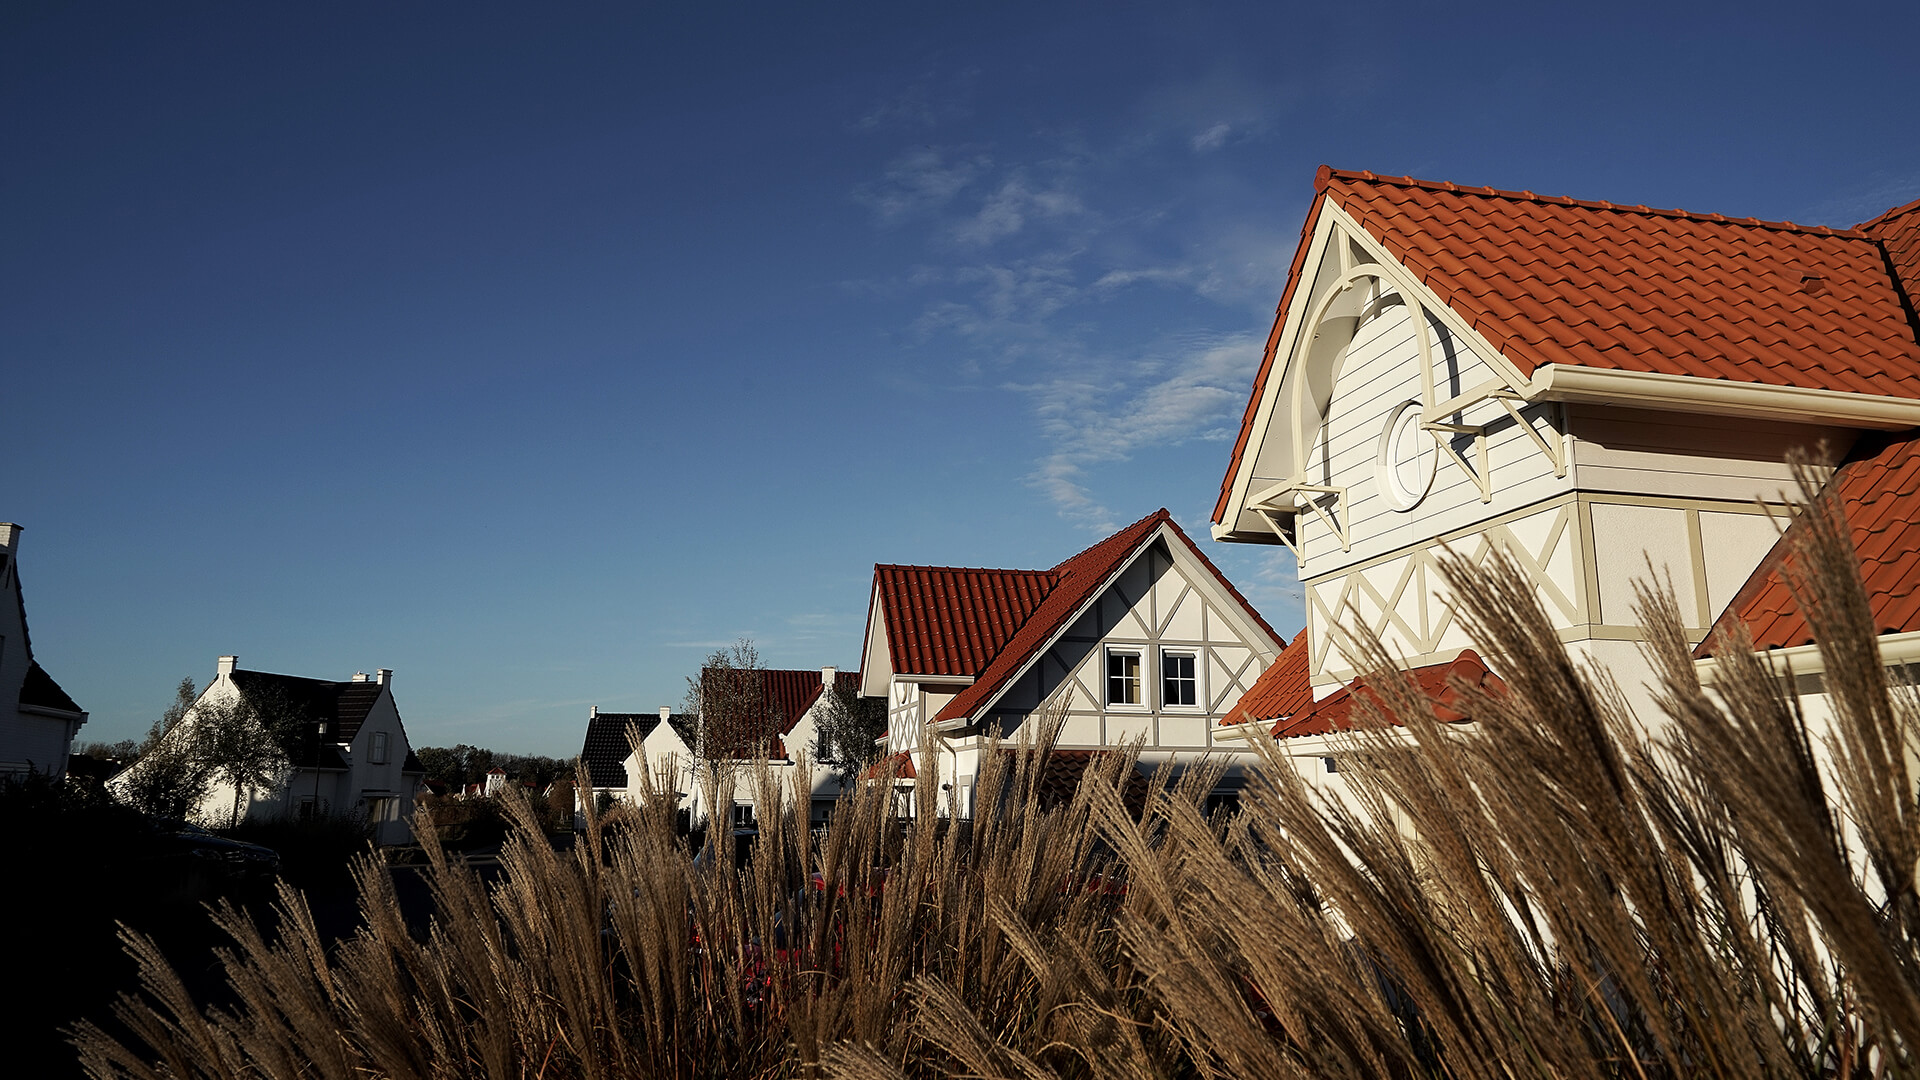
[
  {"x": 920, "y": 182},
  {"x": 1186, "y": 394},
  {"x": 1213, "y": 138},
  {"x": 1008, "y": 209},
  {"x": 929, "y": 101},
  {"x": 1864, "y": 200}
]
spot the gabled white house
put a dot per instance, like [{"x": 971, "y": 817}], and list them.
[
  {"x": 37, "y": 718},
  {"x": 349, "y": 753},
  {"x": 1584, "y": 386},
  {"x": 788, "y": 724},
  {"x": 665, "y": 738},
  {"x": 1137, "y": 637}
]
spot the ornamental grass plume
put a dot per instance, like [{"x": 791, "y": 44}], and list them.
[{"x": 1559, "y": 889}]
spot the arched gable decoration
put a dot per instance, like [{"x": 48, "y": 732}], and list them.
[{"x": 1319, "y": 350}]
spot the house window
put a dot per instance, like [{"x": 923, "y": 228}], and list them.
[
  {"x": 743, "y": 816},
  {"x": 379, "y": 748},
  {"x": 1123, "y": 676},
  {"x": 1178, "y": 683}
]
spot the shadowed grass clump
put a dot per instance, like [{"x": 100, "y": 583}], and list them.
[{"x": 1560, "y": 889}]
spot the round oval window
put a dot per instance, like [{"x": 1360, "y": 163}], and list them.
[{"x": 1407, "y": 458}]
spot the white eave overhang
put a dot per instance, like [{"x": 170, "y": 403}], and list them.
[
  {"x": 1687, "y": 393},
  {"x": 1806, "y": 659}
]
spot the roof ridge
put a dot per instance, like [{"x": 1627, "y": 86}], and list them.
[
  {"x": 1060, "y": 567},
  {"x": 1327, "y": 174},
  {"x": 958, "y": 569},
  {"x": 1885, "y": 214}
]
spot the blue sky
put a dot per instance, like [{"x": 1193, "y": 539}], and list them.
[{"x": 535, "y": 351}]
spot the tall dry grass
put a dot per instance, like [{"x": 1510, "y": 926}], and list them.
[{"x": 1560, "y": 890}]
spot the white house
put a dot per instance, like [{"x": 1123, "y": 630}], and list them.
[
  {"x": 37, "y": 718},
  {"x": 791, "y": 701},
  {"x": 1138, "y": 637},
  {"x": 615, "y": 769},
  {"x": 349, "y": 753},
  {"x": 1586, "y": 387}
]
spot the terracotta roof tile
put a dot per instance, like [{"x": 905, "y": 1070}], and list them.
[
  {"x": 1077, "y": 579},
  {"x": 1689, "y": 294},
  {"x": 1282, "y": 690},
  {"x": 1438, "y": 682},
  {"x": 989, "y": 623},
  {"x": 1879, "y": 490},
  {"x": 946, "y": 620}
]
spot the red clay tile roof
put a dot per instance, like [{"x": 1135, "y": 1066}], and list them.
[
  {"x": 1078, "y": 583},
  {"x": 1879, "y": 490},
  {"x": 1438, "y": 681},
  {"x": 784, "y": 697},
  {"x": 1282, "y": 690},
  {"x": 900, "y": 766},
  {"x": 1898, "y": 230},
  {"x": 945, "y": 620},
  {"x": 1591, "y": 284}
]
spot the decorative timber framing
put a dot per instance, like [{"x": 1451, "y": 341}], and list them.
[
  {"x": 1400, "y": 596},
  {"x": 1314, "y": 346}
]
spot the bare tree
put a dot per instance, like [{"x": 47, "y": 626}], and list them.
[
  {"x": 170, "y": 777},
  {"x": 734, "y": 714}
]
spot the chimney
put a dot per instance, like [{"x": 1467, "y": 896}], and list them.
[
  {"x": 226, "y": 665},
  {"x": 666, "y": 713},
  {"x": 383, "y": 676},
  {"x": 826, "y": 677},
  {"x": 9, "y": 536},
  {"x": 359, "y": 676},
  {"x": 593, "y": 711}
]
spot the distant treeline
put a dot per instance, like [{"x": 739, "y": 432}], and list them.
[{"x": 460, "y": 764}]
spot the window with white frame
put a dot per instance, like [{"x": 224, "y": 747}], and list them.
[
  {"x": 1123, "y": 676},
  {"x": 379, "y": 748},
  {"x": 1179, "y": 682}
]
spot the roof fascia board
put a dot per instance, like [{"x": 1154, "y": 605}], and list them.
[
  {"x": 866, "y": 644},
  {"x": 1688, "y": 393},
  {"x": 1808, "y": 660},
  {"x": 1404, "y": 280},
  {"x": 1286, "y": 334},
  {"x": 960, "y": 722},
  {"x": 57, "y": 714}
]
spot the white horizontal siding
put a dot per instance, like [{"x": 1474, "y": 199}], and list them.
[{"x": 1382, "y": 370}]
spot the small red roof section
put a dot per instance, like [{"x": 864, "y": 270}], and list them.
[
  {"x": 1439, "y": 682},
  {"x": 899, "y": 766},
  {"x": 1592, "y": 284},
  {"x": 946, "y": 620},
  {"x": 1282, "y": 690},
  {"x": 1879, "y": 491},
  {"x": 1077, "y": 582},
  {"x": 784, "y": 697},
  {"x": 1898, "y": 230}
]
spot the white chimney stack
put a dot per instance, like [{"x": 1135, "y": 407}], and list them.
[
  {"x": 666, "y": 712},
  {"x": 384, "y": 676},
  {"x": 593, "y": 711},
  {"x": 9, "y": 536},
  {"x": 226, "y": 665},
  {"x": 826, "y": 677},
  {"x": 359, "y": 676}
]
